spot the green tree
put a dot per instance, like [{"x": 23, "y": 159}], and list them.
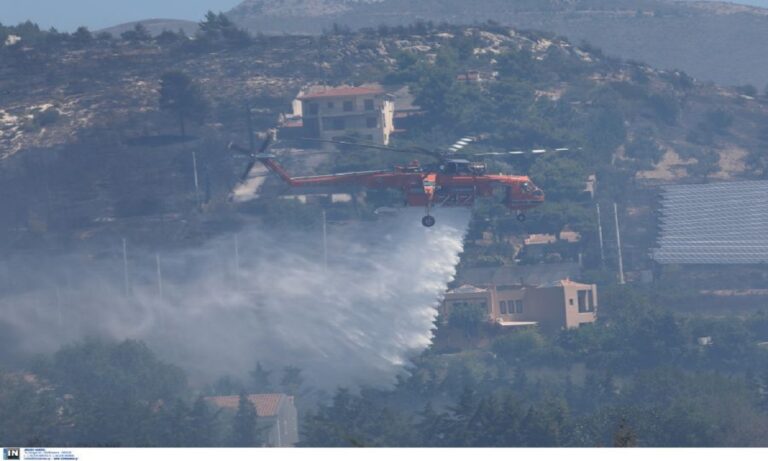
[
  {"x": 203, "y": 425},
  {"x": 174, "y": 424},
  {"x": 82, "y": 36},
  {"x": 291, "y": 380},
  {"x": 605, "y": 131},
  {"x": 468, "y": 317},
  {"x": 116, "y": 389},
  {"x": 707, "y": 163},
  {"x": 29, "y": 411},
  {"x": 559, "y": 176},
  {"x": 168, "y": 37},
  {"x": 552, "y": 217},
  {"x": 138, "y": 34},
  {"x": 522, "y": 346},
  {"x": 644, "y": 150},
  {"x": 666, "y": 107},
  {"x": 182, "y": 97},
  {"x": 218, "y": 29},
  {"x": 718, "y": 120},
  {"x": 260, "y": 379},
  {"x": 244, "y": 430}
]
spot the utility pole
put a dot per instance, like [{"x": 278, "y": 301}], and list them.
[
  {"x": 197, "y": 182},
  {"x": 249, "y": 117},
  {"x": 237, "y": 264},
  {"x": 618, "y": 243},
  {"x": 325, "y": 242},
  {"x": 600, "y": 235},
  {"x": 159, "y": 275},
  {"x": 126, "y": 284}
]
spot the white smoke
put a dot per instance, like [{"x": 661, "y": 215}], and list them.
[{"x": 356, "y": 320}]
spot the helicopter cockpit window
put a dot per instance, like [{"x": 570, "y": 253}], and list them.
[
  {"x": 457, "y": 168},
  {"x": 525, "y": 187}
]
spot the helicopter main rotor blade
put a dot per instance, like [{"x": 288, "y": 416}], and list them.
[
  {"x": 242, "y": 150},
  {"x": 461, "y": 143},
  {"x": 248, "y": 169},
  {"x": 265, "y": 144},
  {"x": 527, "y": 152},
  {"x": 414, "y": 150},
  {"x": 253, "y": 157}
]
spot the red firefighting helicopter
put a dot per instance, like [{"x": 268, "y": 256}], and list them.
[{"x": 452, "y": 182}]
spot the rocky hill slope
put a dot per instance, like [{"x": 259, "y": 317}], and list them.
[
  {"x": 721, "y": 42},
  {"x": 85, "y": 147}
]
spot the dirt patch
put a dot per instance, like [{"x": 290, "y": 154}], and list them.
[
  {"x": 732, "y": 162},
  {"x": 670, "y": 168}
]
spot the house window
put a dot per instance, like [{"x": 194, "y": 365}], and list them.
[
  {"x": 338, "y": 124},
  {"x": 370, "y": 122},
  {"x": 518, "y": 306},
  {"x": 313, "y": 108},
  {"x": 570, "y": 301},
  {"x": 368, "y": 104},
  {"x": 330, "y": 104},
  {"x": 349, "y": 106},
  {"x": 586, "y": 301},
  {"x": 503, "y": 307}
]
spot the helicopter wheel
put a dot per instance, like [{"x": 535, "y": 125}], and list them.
[
  {"x": 428, "y": 221},
  {"x": 521, "y": 217}
]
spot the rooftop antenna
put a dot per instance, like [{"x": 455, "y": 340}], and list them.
[{"x": 618, "y": 243}]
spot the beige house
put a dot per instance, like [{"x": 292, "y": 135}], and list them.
[
  {"x": 564, "y": 304},
  {"x": 276, "y": 414},
  {"x": 329, "y": 112}
]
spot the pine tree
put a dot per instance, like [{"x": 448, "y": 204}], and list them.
[
  {"x": 260, "y": 379},
  {"x": 292, "y": 380},
  {"x": 203, "y": 427},
  {"x": 182, "y": 97},
  {"x": 244, "y": 432}
]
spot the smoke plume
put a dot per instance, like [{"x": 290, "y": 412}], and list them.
[{"x": 351, "y": 315}]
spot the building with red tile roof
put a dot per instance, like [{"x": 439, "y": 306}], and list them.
[
  {"x": 276, "y": 414},
  {"x": 340, "y": 92}
]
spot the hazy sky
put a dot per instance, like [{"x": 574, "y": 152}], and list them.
[{"x": 66, "y": 15}]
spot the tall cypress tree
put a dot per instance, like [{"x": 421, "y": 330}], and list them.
[{"x": 244, "y": 432}]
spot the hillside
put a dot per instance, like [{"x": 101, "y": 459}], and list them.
[
  {"x": 713, "y": 41},
  {"x": 154, "y": 26},
  {"x": 87, "y": 153}
]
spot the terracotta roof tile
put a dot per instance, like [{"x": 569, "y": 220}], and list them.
[
  {"x": 265, "y": 404},
  {"x": 341, "y": 91}
]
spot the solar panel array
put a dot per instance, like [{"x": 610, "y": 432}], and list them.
[{"x": 721, "y": 223}]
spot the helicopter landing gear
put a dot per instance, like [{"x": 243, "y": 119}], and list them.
[
  {"x": 520, "y": 216},
  {"x": 428, "y": 221}
]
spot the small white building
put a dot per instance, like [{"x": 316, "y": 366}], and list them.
[{"x": 329, "y": 112}]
